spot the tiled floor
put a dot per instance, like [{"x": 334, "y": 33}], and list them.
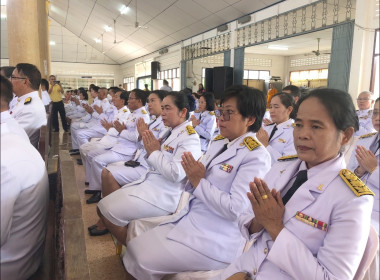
[{"x": 101, "y": 253}]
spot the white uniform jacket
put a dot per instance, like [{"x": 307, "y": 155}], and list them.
[
  {"x": 128, "y": 138},
  {"x": 206, "y": 128},
  {"x": 162, "y": 186},
  {"x": 209, "y": 224},
  {"x": 30, "y": 114},
  {"x": 370, "y": 179},
  {"x": 365, "y": 122},
  {"x": 281, "y": 143},
  {"x": 13, "y": 125},
  {"x": 24, "y": 200},
  {"x": 303, "y": 251}
]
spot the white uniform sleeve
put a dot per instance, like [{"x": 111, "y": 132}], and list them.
[
  {"x": 207, "y": 128},
  {"x": 335, "y": 258},
  {"x": 231, "y": 205},
  {"x": 172, "y": 169}
]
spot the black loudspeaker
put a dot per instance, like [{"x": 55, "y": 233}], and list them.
[
  {"x": 223, "y": 78},
  {"x": 209, "y": 80},
  {"x": 155, "y": 68}
]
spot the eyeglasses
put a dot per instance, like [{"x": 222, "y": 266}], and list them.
[
  {"x": 363, "y": 99},
  {"x": 17, "y": 78},
  {"x": 225, "y": 113}
]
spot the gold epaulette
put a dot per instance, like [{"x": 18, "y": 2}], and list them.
[
  {"x": 251, "y": 143},
  {"x": 143, "y": 111},
  {"x": 286, "y": 158},
  {"x": 219, "y": 137},
  {"x": 125, "y": 110},
  {"x": 190, "y": 130},
  {"x": 28, "y": 100},
  {"x": 211, "y": 113},
  {"x": 354, "y": 182},
  {"x": 367, "y": 135}
]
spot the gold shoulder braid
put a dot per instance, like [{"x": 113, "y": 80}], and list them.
[
  {"x": 286, "y": 158},
  {"x": 211, "y": 113},
  {"x": 219, "y": 137},
  {"x": 190, "y": 130},
  {"x": 28, "y": 100},
  {"x": 367, "y": 135},
  {"x": 251, "y": 143},
  {"x": 354, "y": 182},
  {"x": 143, "y": 111}
]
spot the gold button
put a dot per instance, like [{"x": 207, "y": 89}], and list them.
[
  {"x": 265, "y": 250},
  {"x": 255, "y": 271}
]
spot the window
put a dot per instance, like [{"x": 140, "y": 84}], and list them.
[
  {"x": 309, "y": 78},
  {"x": 374, "y": 87},
  {"x": 129, "y": 83},
  {"x": 172, "y": 76},
  {"x": 256, "y": 75}
]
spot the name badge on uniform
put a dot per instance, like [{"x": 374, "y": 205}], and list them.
[
  {"x": 311, "y": 221},
  {"x": 281, "y": 140},
  {"x": 168, "y": 149},
  {"x": 226, "y": 167}
]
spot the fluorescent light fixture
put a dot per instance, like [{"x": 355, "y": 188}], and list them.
[
  {"x": 107, "y": 28},
  {"x": 124, "y": 9},
  {"x": 277, "y": 47},
  {"x": 97, "y": 40},
  {"x": 52, "y": 43}
]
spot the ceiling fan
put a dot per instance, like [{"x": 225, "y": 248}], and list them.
[
  {"x": 317, "y": 52},
  {"x": 136, "y": 23}
]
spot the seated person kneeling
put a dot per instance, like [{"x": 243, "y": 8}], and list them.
[{"x": 205, "y": 235}]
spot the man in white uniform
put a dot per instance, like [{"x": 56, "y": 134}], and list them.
[
  {"x": 29, "y": 110},
  {"x": 24, "y": 200},
  {"x": 365, "y": 103},
  {"x": 6, "y": 96}
]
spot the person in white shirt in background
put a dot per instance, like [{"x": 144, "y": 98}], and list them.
[
  {"x": 29, "y": 111},
  {"x": 24, "y": 195},
  {"x": 365, "y": 102},
  {"x": 7, "y": 71},
  {"x": 44, "y": 94},
  {"x": 166, "y": 86}
]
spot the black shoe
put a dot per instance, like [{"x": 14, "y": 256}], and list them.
[
  {"x": 86, "y": 183},
  {"x": 73, "y": 150},
  {"x": 91, "y": 191},
  {"x": 96, "y": 197},
  {"x": 90, "y": 228},
  {"x": 74, "y": 153},
  {"x": 79, "y": 161},
  {"x": 67, "y": 130},
  {"x": 97, "y": 232}
]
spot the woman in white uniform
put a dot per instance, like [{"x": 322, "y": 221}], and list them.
[
  {"x": 120, "y": 173},
  {"x": 205, "y": 235},
  {"x": 158, "y": 192},
  {"x": 315, "y": 222},
  {"x": 278, "y": 137},
  {"x": 205, "y": 123}
]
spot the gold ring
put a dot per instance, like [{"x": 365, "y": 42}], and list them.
[{"x": 264, "y": 196}]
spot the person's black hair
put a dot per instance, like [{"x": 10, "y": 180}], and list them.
[
  {"x": 251, "y": 102},
  {"x": 95, "y": 88},
  {"x": 7, "y": 70},
  {"x": 124, "y": 95},
  {"x": 45, "y": 83},
  {"x": 294, "y": 90},
  {"x": 165, "y": 82},
  {"x": 288, "y": 101},
  {"x": 6, "y": 92},
  {"x": 91, "y": 87},
  {"x": 140, "y": 94},
  {"x": 181, "y": 101},
  {"x": 84, "y": 93},
  {"x": 377, "y": 99},
  {"x": 210, "y": 101},
  {"x": 114, "y": 89},
  {"x": 32, "y": 73},
  {"x": 196, "y": 95},
  {"x": 338, "y": 104},
  {"x": 190, "y": 98},
  {"x": 160, "y": 93}
]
